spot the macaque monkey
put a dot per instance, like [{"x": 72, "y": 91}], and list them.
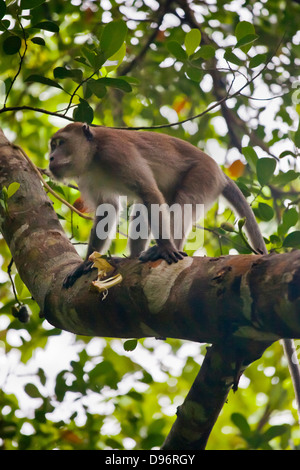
[{"x": 150, "y": 168}]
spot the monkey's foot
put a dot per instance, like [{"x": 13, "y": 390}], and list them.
[
  {"x": 169, "y": 254},
  {"x": 83, "y": 268}
]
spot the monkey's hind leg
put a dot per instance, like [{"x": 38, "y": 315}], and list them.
[{"x": 139, "y": 232}]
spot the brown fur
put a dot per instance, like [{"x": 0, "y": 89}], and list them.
[{"x": 147, "y": 167}]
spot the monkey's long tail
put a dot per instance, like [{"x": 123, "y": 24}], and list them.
[{"x": 236, "y": 198}]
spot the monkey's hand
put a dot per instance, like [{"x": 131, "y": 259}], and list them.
[
  {"x": 83, "y": 268},
  {"x": 169, "y": 253}
]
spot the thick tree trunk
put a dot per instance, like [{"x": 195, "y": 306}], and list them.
[
  {"x": 220, "y": 371},
  {"x": 240, "y": 303}
]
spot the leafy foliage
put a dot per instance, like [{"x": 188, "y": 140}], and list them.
[{"x": 131, "y": 64}]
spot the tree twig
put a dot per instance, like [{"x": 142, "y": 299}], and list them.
[{"x": 22, "y": 56}]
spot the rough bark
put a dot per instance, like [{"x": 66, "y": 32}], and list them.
[
  {"x": 241, "y": 304},
  {"x": 220, "y": 371}
]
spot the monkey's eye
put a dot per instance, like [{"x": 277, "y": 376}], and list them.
[{"x": 56, "y": 143}]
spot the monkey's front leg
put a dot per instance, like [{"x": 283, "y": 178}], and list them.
[
  {"x": 168, "y": 252},
  {"x": 159, "y": 218},
  {"x": 99, "y": 239}
]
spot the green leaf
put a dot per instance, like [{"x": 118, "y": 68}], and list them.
[
  {"x": 81, "y": 60},
  {"x": 117, "y": 57},
  {"x": 43, "y": 80},
  {"x": 275, "y": 240},
  {"x": 243, "y": 188},
  {"x": 265, "y": 168},
  {"x": 63, "y": 72},
  {"x": 12, "y": 188},
  {"x": 152, "y": 440},
  {"x": 292, "y": 240},
  {"x": 83, "y": 112},
  {"x": 192, "y": 41},
  {"x": 257, "y": 60},
  {"x": 132, "y": 80},
  {"x": 103, "y": 374},
  {"x": 3, "y": 193},
  {"x": 130, "y": 344},
  {"x": 11, "y": 45},
  {"x": 2, "y": 8},
  {"x": 30, "y": 4},
  {"x": 231, "y": 57},
  {"x": 61, "y": 388},
  {"x": 32, "y": 391},
  {"x": 19, "y": 285},
  {"x": 42, "y": 376},
  {"x": 38, "y": 40},
  {"x": 194, "y": 73},
  {"x": 3, "y": 203},
  {"x": 251, "y": 156},
  {"x": 115, "y": 83},
  {"x": 205, "y": 52},
  {"x": 4, "y": 25},
  {"x": 95, "y": 57},
  {"x": 47, "y": 26},
  {"x": 241, "y": 423},
  {"x": 90, "y": 56},
  {"x": 248, "y": 39},
  {"x": 284, "y": 178},
  {"x": 97, "y": 87},
  {"x": 266, "y": 212},
  {"x": 274, "y": 431},
  {"x": 228, "y": 227},
  {"x": 175, "y": 48},
  {"x": 290, "y": 217},
  {"x": 243, "y": 29},
  {"x": 285, "y": 153},
  {"x": 57, "y": 188},
  {"x": 112, "y": 38}
]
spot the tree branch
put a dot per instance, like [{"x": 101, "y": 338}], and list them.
[
  {"x": 220, "y": 371},
  {"x": 240, "y": 304},
  {"x": 37, "y": 110},
  {"x": 162, "y": 11},
  {"x": 22, "y": 57},
  {"x": 201, "y": 299}
]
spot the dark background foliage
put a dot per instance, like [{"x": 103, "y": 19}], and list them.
[{"x": 144, "y": 64}]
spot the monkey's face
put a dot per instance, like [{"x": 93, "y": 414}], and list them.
[
  {"x": 71, "y": 148},
  {"x": 60, "y": 165}
]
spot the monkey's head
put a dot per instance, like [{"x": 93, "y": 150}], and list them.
[{"x": 71, "y": 148}]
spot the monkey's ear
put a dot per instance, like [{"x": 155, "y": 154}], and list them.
[{"x": 87, "y": 132}]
